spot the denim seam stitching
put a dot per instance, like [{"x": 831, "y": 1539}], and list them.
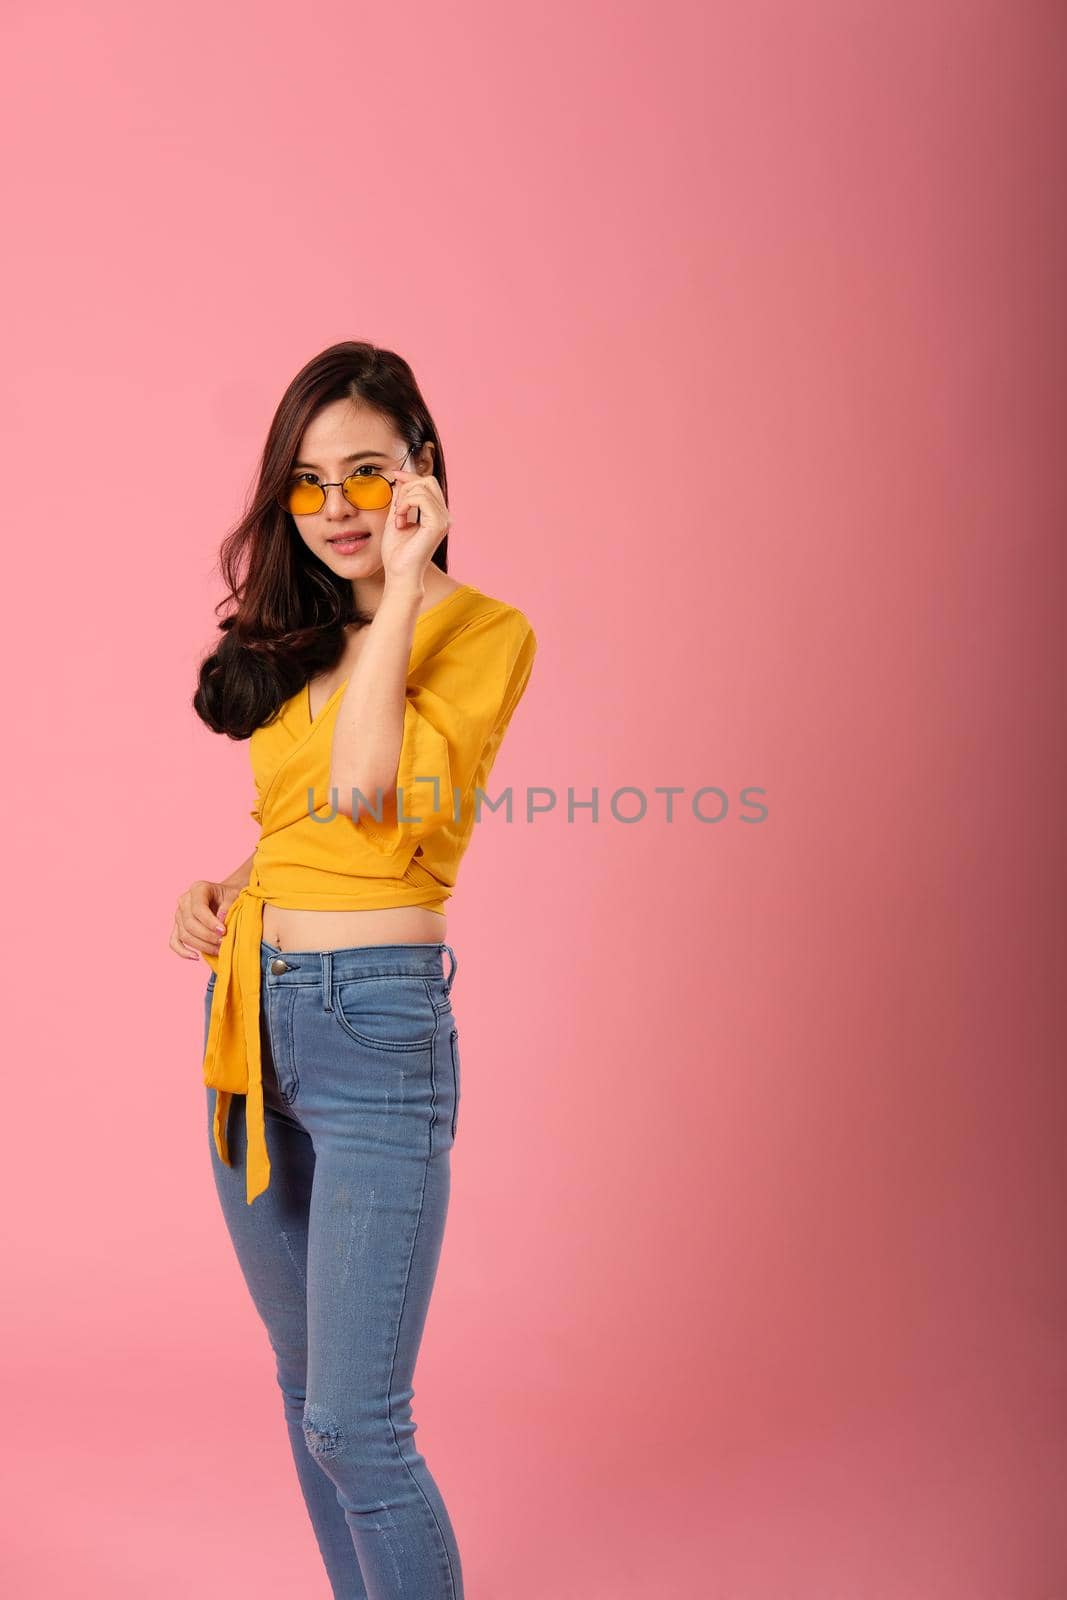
[
  {"x": 453, "y": 1044},
  {"x": 285, "y": 1066},
  {"x": 392, "y": 1368},
  {"x": 433, "y": 1081},
  {"x": 290, "y": 1029}
]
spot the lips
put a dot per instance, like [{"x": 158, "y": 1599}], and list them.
[{"x": 347, "y": 542}]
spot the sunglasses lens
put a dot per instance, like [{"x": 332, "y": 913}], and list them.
[
  {"x": 301, "y": 498},
  {"x": 368, "y": 491}
]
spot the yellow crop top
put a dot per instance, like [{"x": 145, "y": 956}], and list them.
[{"x": 470, "y": 661}]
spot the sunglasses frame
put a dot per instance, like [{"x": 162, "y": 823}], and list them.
[{"x": 326, "y": 486}]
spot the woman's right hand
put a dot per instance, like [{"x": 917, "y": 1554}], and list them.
[
  {"x": 407, "y": 549},
  {"x": 199, "y": 921}
]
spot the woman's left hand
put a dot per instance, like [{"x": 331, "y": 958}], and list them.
[{"x": 407, "y": 550}]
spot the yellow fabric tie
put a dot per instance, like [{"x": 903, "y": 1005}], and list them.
[{"x": 232, "y": 1061}]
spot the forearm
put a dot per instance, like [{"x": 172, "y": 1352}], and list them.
[
  {"x": 240, "y": 875},
  {"x": 369, "y": 729}
]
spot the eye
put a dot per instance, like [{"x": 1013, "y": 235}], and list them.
[
  {"x": 366, "y": 471},
  {"x": 304, "y": 477}
]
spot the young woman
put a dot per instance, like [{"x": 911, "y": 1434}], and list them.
[{"x": 374, "y": 690}]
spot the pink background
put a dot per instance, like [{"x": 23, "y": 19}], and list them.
[{"x": 743, "y": 326}]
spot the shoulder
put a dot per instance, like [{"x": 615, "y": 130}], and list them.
[{"x": 475, "y": 614}]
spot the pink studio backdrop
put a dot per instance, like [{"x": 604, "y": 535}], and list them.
[{"x": 743, "y": 328}]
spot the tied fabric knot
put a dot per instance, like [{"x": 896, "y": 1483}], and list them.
[{"x": 232, "y": 1062}]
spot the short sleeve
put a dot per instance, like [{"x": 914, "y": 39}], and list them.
[{"x": 458, "y": 705}]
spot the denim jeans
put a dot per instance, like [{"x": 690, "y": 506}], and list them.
[{"x": 361, "y": 1084}]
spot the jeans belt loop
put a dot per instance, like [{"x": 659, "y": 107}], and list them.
[{"x": 327, "y": 979}]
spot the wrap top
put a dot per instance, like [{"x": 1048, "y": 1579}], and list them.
[{"x": 470, "y": 661}]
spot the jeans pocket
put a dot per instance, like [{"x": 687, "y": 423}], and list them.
[{"x": 388, "y": 1012}]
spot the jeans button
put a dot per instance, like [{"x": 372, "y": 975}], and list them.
[{"x": 277, "y": 965}]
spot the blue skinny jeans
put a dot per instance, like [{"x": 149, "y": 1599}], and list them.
[{"x": 361, "y": 1085}]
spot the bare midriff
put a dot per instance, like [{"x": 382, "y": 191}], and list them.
[{"x": 339, "y": 930}]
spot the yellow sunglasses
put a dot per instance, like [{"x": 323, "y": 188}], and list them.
[{"x": 367, "y": 488}]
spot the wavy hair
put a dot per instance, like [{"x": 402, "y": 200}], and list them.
[{"x": 289, "y": 611}]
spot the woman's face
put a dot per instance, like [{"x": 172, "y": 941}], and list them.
[{"x": 348, "y": 437}]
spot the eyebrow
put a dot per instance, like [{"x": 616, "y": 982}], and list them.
[{"x": 345, "y": 460}]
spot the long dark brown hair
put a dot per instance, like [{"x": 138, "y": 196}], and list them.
[{"x": 289, "y": 610}]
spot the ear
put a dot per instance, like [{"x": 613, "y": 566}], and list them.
[{"x": 424, "y": 461}]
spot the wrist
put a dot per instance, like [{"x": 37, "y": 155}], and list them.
[
  {"x": 238, "y": 877},
  {"x": 402, "y": 595}
]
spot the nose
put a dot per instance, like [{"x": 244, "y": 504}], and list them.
[{"x": 336, "y": 504}]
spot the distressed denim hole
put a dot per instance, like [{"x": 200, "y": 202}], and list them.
[{"x": 321, "y": 1431}]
